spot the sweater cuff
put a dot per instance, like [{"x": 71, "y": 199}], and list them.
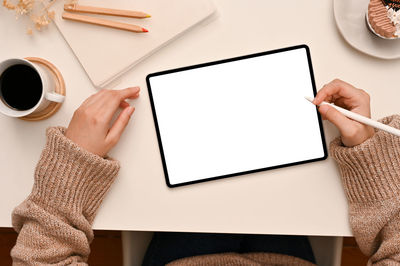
[
  {"x": 370, "y": 171},
  {"x": 69, "y": 179}
]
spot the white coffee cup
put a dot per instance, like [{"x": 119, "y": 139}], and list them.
[{"x": 48, "y": 86}]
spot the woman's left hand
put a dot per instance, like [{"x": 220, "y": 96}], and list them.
[{"x": 90, "y": 127}]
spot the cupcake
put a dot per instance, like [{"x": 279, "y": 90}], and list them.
[{"x": 383, "y": 17}]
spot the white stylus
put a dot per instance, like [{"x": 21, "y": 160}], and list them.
[{"x": 362, "y": 119}]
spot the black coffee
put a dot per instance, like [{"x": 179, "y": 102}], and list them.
[{"x": 20, "y": 87}]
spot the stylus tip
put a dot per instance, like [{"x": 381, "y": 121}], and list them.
[
  {"x": 310, "y": 99},
  {"x": 144, "y": 30}
]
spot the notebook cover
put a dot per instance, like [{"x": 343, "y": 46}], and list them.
[{"x": 107, "y": 53}]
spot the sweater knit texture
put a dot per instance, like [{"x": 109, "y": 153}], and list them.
[{"x": 54, "y": 222}]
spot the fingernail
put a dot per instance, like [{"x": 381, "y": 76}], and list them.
[
  {"x": 135, "y": 88},
  {"x": 131, "y": 109}
]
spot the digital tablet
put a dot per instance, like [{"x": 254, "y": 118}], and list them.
[{"x": 236, "y": 116}]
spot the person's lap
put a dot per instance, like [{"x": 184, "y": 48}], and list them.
[{"x": 167, "y": 247}]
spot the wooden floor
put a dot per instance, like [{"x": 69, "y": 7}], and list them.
[
  {"x": 351, "y": 254},
  {"x": 107, "y": 249}
]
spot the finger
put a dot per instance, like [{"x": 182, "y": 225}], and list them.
[
  {"x": 128, "y": 93},
  {"x": 123, "y": 104},
  {"x": 344, "y": 103},
  {"x": 337, "y": 88},
  {"x": 112, "y": 100},
  {"x": 343, "y": 123},
  {"x": 119, "y": 125},
  {"x": 323, "y": 116},
  {"x": 135, "y": 96},
  {"x": 109, "y": 102}
]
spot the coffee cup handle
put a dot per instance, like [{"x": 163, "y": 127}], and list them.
[{"x": 54, "y": 97}]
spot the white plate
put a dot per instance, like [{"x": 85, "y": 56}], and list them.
[{"x": 351, "y": 22}]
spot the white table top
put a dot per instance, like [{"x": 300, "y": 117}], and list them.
[{"x": 305, "y": 199}]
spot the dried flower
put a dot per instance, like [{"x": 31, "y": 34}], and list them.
[
  {"x": 41, "y": 18},
  {"x": 51, "y": 14},
  {"x": 40, "y": 21},
  {"x": 8, "y": 5},
  {"x": 71, "y": 2}
]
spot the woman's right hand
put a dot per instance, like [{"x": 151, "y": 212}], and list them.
[{"x": 347, "y": 96}]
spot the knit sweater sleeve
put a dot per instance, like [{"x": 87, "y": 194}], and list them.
[
  {"x": 54, "y": 222},
  {"x": 371, "y": 179}
]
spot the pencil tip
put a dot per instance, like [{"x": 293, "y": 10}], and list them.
[
  {"x": 148, "y": 16},
  {"x": 144, "y": 30}
]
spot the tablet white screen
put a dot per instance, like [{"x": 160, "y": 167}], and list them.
[{"x": 235, "y": 117}]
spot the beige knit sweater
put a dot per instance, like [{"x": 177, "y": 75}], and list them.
[{"x": 54, "y": 222}]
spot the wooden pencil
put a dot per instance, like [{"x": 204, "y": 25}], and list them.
[
  {"x": 103, "y": 22},
  {"x": 105, "y": 11}
]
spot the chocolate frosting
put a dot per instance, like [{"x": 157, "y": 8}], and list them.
[{"x": 395, "y": 4}]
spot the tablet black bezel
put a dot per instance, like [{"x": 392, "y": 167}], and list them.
[{"x": 303, "y": 46}]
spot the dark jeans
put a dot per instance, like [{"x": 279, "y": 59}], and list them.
[{"x": 167, "y": 247}]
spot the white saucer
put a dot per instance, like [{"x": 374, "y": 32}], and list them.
[{"x": 351, "y": 22}]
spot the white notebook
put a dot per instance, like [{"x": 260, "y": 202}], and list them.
[{"x": 107, "y": 53}]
